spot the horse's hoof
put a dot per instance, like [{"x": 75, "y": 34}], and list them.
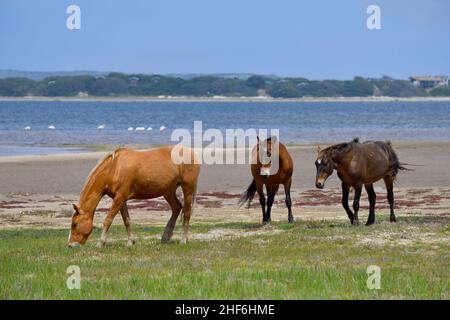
[
  {"x": 131, "y": 242},
  {"x": 183, "y": 241},
  {"x": 393, "y": 220},
  {"x": 355, "y": 222},
  {"x": 291, "y": 220},
  {"x": 101, "y": 244},
  {"x": 369, "y": 223},
  {"x": 166, "y": 237}
]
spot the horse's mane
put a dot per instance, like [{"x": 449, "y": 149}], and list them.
[
  {"x": 99, "y": 163},
  {"x": 340, "y": 145}
]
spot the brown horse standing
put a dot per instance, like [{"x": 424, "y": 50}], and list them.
[
  {"x": 262, "y": 175},
  {"x": 129, "y": 174},
  {"x": 359, "y": 164}
]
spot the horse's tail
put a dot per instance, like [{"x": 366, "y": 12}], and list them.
[
  {"x": 394, "y": 163},
  {"x": 248, "y": 195}
]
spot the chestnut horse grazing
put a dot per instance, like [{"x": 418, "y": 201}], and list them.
[
  {"x": 129, "y": 174},
  {"x": 359, "y": 164},
  {"x": 263, "y": 175}
]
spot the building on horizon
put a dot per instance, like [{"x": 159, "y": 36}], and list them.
[{"x": 429, "y": 82}]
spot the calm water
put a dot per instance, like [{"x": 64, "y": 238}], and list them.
[{"x": 77, "y": 122}]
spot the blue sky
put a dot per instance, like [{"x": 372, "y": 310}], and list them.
[{"x": 315, "y": 39}]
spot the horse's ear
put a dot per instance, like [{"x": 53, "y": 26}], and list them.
[
  {"x": 318, "y": 149},
  {"x": 76, "y": 208},
  {"x": 257, "y": 138}
]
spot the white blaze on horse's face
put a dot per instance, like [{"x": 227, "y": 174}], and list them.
[{"x": 324, "y": 169}]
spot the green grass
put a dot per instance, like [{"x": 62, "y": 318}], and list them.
[{"x": 309, "y": 260}]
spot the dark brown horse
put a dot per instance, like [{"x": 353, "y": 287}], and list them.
[
  {"x": 359, "y": 164},
  {"x": 265, "y": 173}
]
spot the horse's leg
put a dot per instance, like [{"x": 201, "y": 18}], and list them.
[
  {"x": 345, "y": 192},
  {"x": 188, "y": 195},
  {"x": 390, "y": 195},
  {"x": 372, "y": 201},
  {"x": 262, "y": 200},
  {"x": 176, "y": 209},
  {"x": 287, "y": 191},
  {"x": 127, "y": 222},
  {"x": 358, "y": 190},
  {"x": 116, "y": 205},
  {"x": 271, "y": 192}
]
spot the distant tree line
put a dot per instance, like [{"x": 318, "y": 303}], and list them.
[{"x": 118, "y": 84}]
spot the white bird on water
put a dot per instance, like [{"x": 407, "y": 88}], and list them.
[
  {"x": 130, "y": 129},
  {"x": 140, "y": 129},
  {"x": 149, "y": 129},
  {"x": 102, "y": 126},
  {"x": 162, "y": 128},
  {"x": 52, "y": 127},
  {"x": 27, "y": 128}
]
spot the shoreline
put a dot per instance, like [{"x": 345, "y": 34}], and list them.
[
  {"x": 228, "y": 99},
  {"x": 66, "y": 173},
  {"x": 93, "y": 151}
]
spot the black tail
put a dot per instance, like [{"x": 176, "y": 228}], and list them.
[
  {"x": 394, "y": 163},
  {"x": 248, "y": 195}
]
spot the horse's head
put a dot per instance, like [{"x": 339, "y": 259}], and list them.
[
  {"x": 81, "y": 228},
  {"x": 329, "y": 159},
  {"x": 265, "y": 150},
  {"x": 324, "y": 165}
]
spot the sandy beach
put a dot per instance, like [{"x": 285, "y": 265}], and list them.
[{"x": 39, "y": 190}]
